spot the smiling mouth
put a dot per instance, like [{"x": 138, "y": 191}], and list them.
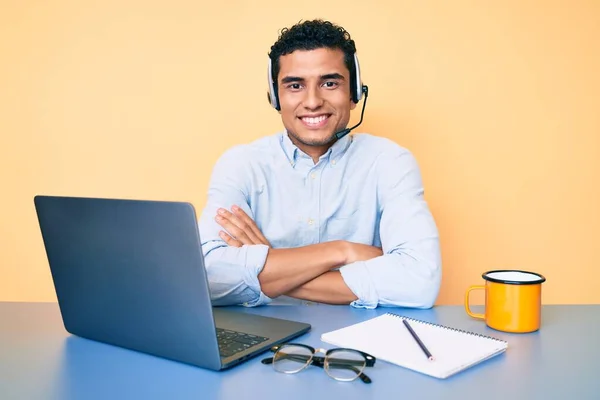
[{"x": 315, "y": 122}]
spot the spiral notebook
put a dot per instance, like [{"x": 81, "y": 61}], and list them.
[{"x": 388, "y": 339}]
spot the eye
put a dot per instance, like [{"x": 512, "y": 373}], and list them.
[
  {"x": 294, "y": 86},
  {"x": 330, "y": 84}
]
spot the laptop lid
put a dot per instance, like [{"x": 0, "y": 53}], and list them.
[{"x": 131, "y": 273}]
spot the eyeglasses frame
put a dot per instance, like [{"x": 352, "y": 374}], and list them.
[{"x": 320, "y": 361}]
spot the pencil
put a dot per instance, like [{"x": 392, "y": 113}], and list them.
[{"x": 418, "y": 340}]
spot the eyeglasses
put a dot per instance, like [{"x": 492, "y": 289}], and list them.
[{"x": 340, "y": 364}]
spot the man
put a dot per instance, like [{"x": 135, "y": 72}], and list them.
[{"x": 305, "y": 215}]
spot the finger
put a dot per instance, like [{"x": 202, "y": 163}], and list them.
[
  {"x": 233, "y": 230},
  {"x": 240, "y": 230},
  {"x": 241, "y": 225},
  {"x": 249, "y": 222},
  {"x": 229, "y": 240},
  {"x": 241, "y": 214}
]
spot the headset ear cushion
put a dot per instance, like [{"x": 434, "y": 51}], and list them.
[
  {"x": 272, "y": 94},
  {"x": 357, "y": 91},
  {"x": 272, "y": 102}
]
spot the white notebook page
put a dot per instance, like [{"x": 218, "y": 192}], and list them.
[{"x": 387, "y": 338}]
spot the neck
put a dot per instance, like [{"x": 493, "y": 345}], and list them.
[{"x": 313, "y": 151}]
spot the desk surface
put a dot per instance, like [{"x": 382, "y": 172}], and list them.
[{"x": 40, "y": 360}]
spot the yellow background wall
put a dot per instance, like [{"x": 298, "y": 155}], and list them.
[{"x": 499, "y": 101}]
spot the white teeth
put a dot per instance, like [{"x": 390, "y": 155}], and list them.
[{"x": 314, "y": 120}]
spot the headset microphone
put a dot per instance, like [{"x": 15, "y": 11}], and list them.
[{"x": 344, "y": 132}]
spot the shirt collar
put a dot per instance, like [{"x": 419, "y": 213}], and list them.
[{"x": 334, "y": 153}]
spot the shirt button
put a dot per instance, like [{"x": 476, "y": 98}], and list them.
[
  {"x": 313, "y": 175},
  {"x": 333, "y": 162},
  {"x": 311, "y": 221}
]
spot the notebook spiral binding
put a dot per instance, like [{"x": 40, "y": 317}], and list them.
[{"x": 446, "y": 327}]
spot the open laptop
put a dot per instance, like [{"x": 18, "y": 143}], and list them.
[{"x": 131, "y": 273}]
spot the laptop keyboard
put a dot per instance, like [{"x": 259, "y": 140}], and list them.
[{"x": 231, "y": 342}]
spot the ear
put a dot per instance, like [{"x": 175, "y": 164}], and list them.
[{"x": 352, "y": 105}]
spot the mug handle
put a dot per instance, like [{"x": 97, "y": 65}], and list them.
[{"x": 467, "y": 309}]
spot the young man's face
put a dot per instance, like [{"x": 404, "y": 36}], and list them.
[{"x": 314, "y": 95}]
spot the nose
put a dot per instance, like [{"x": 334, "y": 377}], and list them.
[{"x": 313, "y": 99}]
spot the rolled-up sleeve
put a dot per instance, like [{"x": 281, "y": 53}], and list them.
[
  {"x": 408, "y": 274},
  {"x": 232, "y": 272}
]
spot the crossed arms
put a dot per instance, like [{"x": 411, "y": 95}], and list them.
[{"x": 302, "y": 272}]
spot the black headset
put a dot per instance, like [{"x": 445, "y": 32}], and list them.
[{"x": 357, "y": 89}]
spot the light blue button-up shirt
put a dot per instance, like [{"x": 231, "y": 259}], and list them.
[{"x": 364, "y": 189}]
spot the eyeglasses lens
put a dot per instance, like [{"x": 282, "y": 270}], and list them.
[
  {"x": 344, "y": 365},
  {"x": 291, "y": 359}
]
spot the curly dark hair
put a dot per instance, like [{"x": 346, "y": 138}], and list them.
[{"x": 311, "y": 35}]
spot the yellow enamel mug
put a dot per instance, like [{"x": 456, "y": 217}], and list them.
[{"x": 513, "y": 300}]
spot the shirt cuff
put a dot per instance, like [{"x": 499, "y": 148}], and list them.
[
  {"x": 357, "y": 278},
  {"x": 256, "y": 256}
]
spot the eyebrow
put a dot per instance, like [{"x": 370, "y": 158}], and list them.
[
  {"x": 332, "y": 76},
  {"x": 290, "y": 79}
]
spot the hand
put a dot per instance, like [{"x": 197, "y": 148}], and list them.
[
  {"x": 360, "y": 252},
  {"x": 240, "y": 229}
]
